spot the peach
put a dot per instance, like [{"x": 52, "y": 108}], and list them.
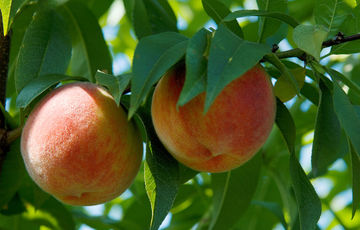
[
  {"x": 78, "y": 145},
  {"x": 229, "y": 134}
]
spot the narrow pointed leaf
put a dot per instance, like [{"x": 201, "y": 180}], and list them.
[
  {"x": 154, "y": 56},
  {"x": 90, "y": 52},
  {"x": 233, "y": 192},
  {"x": 218, "y": 11},
  {"x": 326, "y": 145},
  {"x": 5, "y": 6},
  {"x": 229, "y": 58},
  {"x": 355, "y": 166},
  {"x": 286, "y": 125},
  {"x": 196, "y": 63},
  {"x": 44, "y": 37}
]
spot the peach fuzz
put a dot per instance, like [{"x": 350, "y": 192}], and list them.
[
  {"x": 229, "y": 134},
  {"x": 78, "y": 145}
]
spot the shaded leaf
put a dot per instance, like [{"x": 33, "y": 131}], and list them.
[
  {"x": 36, "y": 87},
  {"x": 229, "y": 58},
  {"x": 309, "y": 204},
  {"x": 90, "y": 52},
  {"x": 286, "y": 125},
  {"x": 309, "y": 38},
  {"x": 355, "y": 166},
  {"x": 233, "y": 192},
  {"x": 276, "y": 15},
  {"x": 12, "y": 173},
  {"x": 330, "y": 14},
  {"x": 154, "y": 56},
  {"x": 326, "y": 144},
  {"x": 274, "y": 208},
  {"x": 45, "y": 36},
  {"x": 116, "y": 84},
  {"x": 196, "y": 63},
  {"x": 217, "y": 10},
  {"x": 311, "y": 93}
]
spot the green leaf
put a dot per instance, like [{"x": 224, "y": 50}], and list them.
[
  {"x": 286, "y": 125},
  {"x": 233, "y": 192},
  {"x": 12, "y": 173},
  {"x": 309, "y": 204},
  {"x": 355, "y": 166},
  {"x": 152, "y": 17},
  {"x": 196, "y": 63},
  {"x": 45, "y": 36},
  {"x": 96, "y": 222},
  {"x": 326, "y": 144},
  {"x": 311, "y": 93},
  {"x": 217, "y": 10},
  {"x": 116, "y": 84},
  {"x": 5, "y": 6},
  {"x": 347, "y": 48},
  {"x": 15, "y": 206},
  {"x": 276, "y": 15},
  {"x": 349, "y": 119},
  {"x": 267, "y": 26},
  {"x": 153, "y": 57},
  {"x": 98, "y": 7},
  {"x": 274, "y": 208},
  {"x": 161, "y": 172},
  {"x": 331, "y": 14},
  {"x": 353, "y": 86},
  {"x": 309, "y": 38},
  {"x": 229, "y": 58},
  {"x": 36, "y": 87},
  {"x": 90, "y": 52}
]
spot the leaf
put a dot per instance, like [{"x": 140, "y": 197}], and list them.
[
  {"x": 229, "y": 58},
  {"x": 284, "y": 89},
  {"x": 233, "y": 192},
  {"x": 153, "y": 57},
  {"x": 286, "y": 125},
  {"x": 309, "y": 204},
  {"x": 351, "y": 47},
  {"x": 355, "y": 166},
  {"x": 349, "y": 119},
  {"x": 196, "y": 63},
  {"x": 330, "y": 14},
  {"x": 276, "y": 15},
  {"x": 98, "y": 7},
  {"x": 309, "y": 38},
  {"x": 90, "y": 52},
  {"x": 152, "y": 17},
  {"x": 326, "y": 144},
  {"x": 311, "y": 93},
  {"x": 45, "y": 36},
  {"x": 15, "y": 206},
  {"x": 5, "y": 6},
  {"x": 274, "y": 208},
  {"x": 267, "y": 26},
  {"x": 347, "y": 81},
  {"x": 36, "y": 87},
  {"x": 161, "y": 172},
  {"x": 116, "y": 84},
  {"x": 217, "y": 10},
  {"x": 12, "y": 173}
]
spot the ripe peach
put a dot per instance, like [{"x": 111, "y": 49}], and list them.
[
  {"x": 230, "y": 133},
  {"x": 78, "y": 145}
]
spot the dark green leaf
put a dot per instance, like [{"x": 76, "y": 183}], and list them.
[
  {"x": 268, "y": 26},
  {"x": 31, "y": 193},
  {"x": 274, "y": 208},
  {"x": 45, "y": 36},
  {"x": 12, "y": 173},
  {"x": 36, "y": 87},
  {"x": 217, "y": 10},
  {"x": 153, "y": 57},
  {"x": 349, "y": 119},
  {"x": 355, "y": 166},
  {"x": 152, "y": 17},
  {"x": 311, "y": 93},
  {"x": 229, "y": 58},
  {"x": 15, "y": 206},
  {"x": 309, "y": 38},
  {"x": 196, "y": 63},
  {"x": 347, "y": 81},
  {"x": 90, "y": 52},
  {"x": 116, "y": 84},
  {"x": 286, "y": 125},
  {"x": 330, "y": 14},
  {"x": 309, "y": 204},
  {"x": 347, "y": 48},
  {"x": 96, "y": 222},
  {"x": 276, "y": 15},
  {"x": 59, "y": 212},
  {"x": 98, "y": 7},
  {"x": 233, "y": 192},
  {"x": 326, "y": 145}
]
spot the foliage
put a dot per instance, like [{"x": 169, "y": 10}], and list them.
[{"x": 316, "y": 76}]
